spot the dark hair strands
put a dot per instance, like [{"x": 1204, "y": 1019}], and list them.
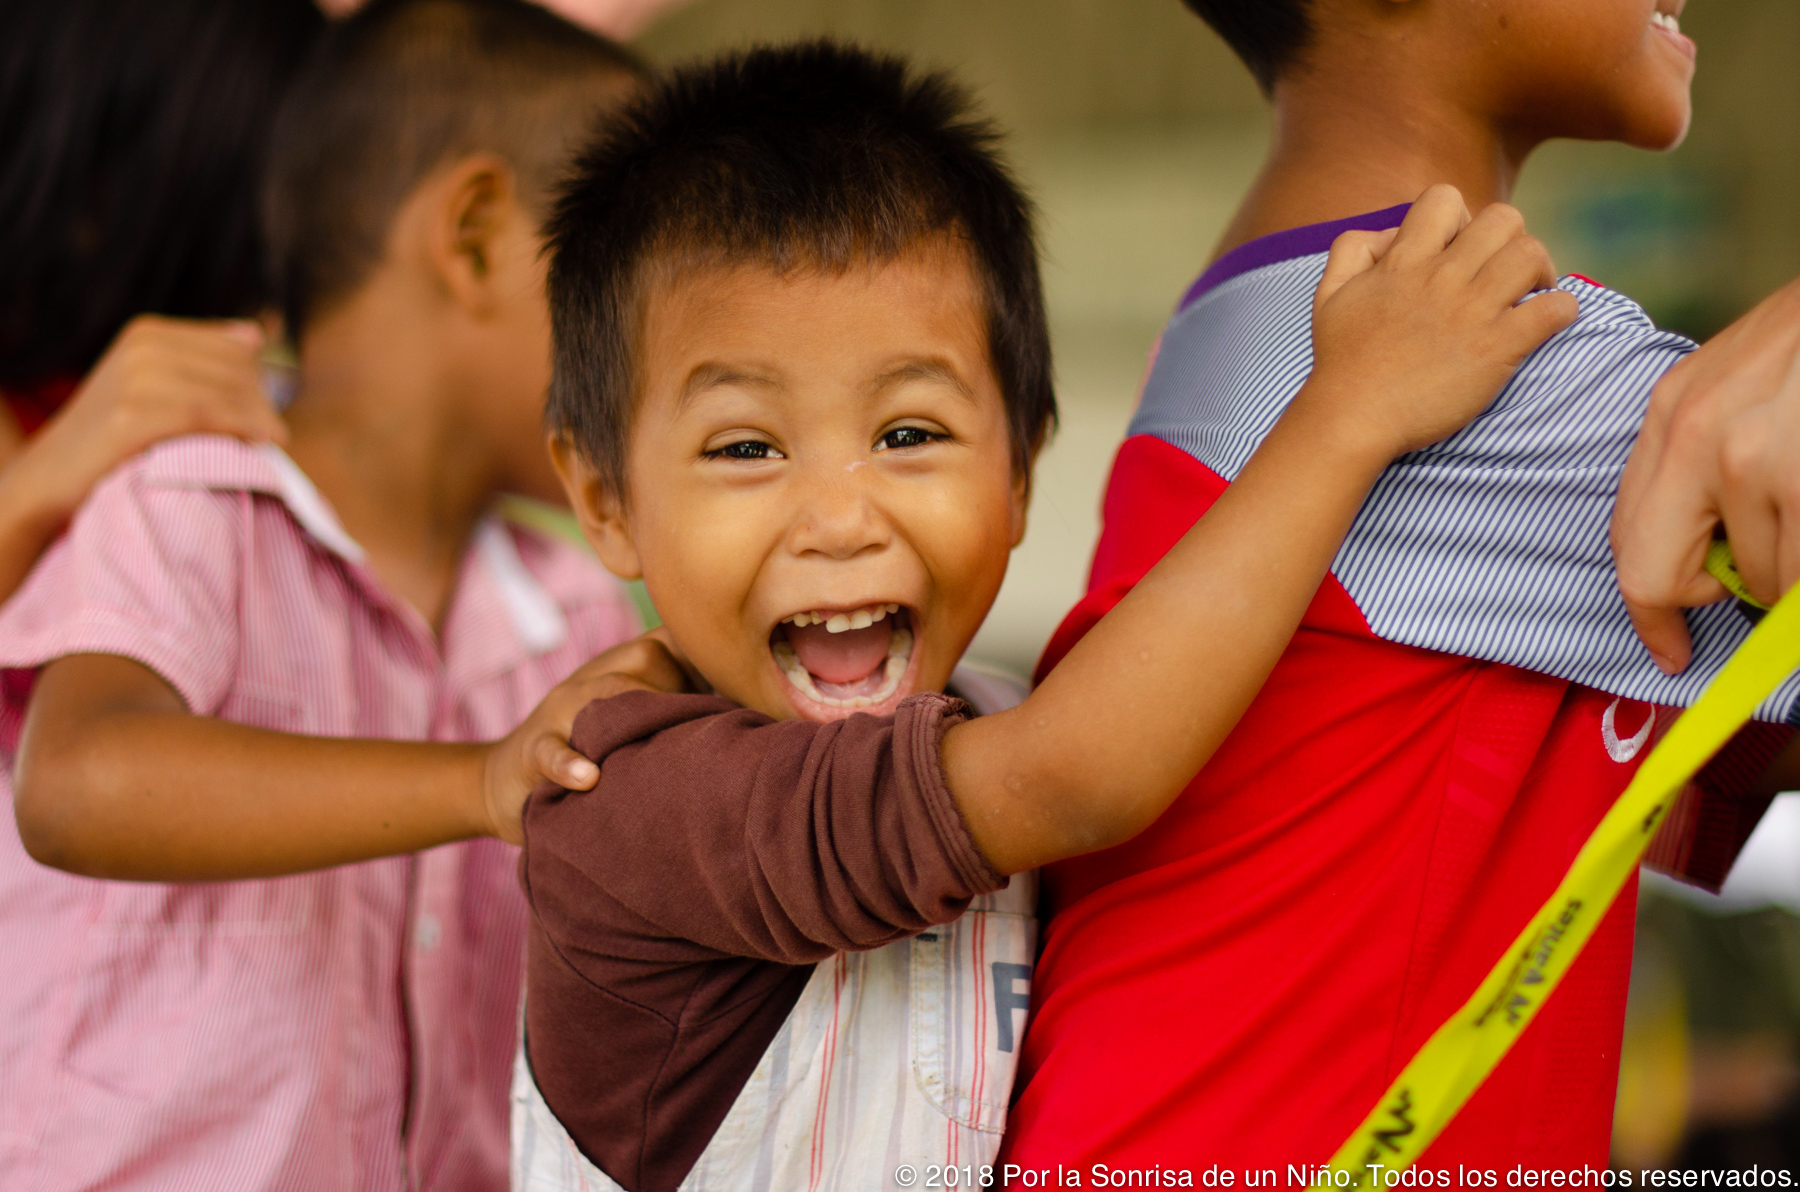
[
  {"x": 810, "y": 156},
  {"x": 1269, "y": 35},
  {"x": 134, "y": 137}
]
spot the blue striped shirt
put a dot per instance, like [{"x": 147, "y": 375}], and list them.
[{"x": 1493, "y": 543}]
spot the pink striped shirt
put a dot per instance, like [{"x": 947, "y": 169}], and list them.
[{"x": 352, "y": 1029}]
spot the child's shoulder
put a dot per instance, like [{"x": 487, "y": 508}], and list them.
[
  {"x": 1583, "y": 392},
  {"x": 1239, "y": 348},
  {"x": 192, "y": 463},
  {"x": 176, "y": 494},
  {"x": 206, "y": 462}
]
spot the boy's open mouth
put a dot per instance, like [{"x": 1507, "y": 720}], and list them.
[
  {"x": 845, "y": 659},
  {"x": 1667, "y": 18}
]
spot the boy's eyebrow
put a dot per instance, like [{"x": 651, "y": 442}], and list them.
[
  {"x": 923, "y": 370},
  {"x": 711, "y": 376}
]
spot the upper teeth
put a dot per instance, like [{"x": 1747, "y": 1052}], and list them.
[
  {"x": 1667, "y": 20},
  {"x": 860, "y": 618}
]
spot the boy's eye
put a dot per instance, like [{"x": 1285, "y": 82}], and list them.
[
  {"x": 750, "y": 449},
  {"x": 902, "y": 437}
]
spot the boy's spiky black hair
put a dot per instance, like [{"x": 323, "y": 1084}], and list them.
[
  {"x": 1267, "y": 34},
  {"x": 403, "y": 87},
  {"x": 816, "y": 155}
]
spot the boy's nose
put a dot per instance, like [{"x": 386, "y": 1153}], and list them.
[{"x": 837, "y": 516}]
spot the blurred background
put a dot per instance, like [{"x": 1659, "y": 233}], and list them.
[{"x": 1137, "y": 130}]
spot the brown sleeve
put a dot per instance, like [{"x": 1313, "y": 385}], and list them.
[
  {"x": 678, "y": 907},
  {"x": 742, "y": 836}
]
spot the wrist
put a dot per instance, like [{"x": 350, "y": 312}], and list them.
[
  {"x": 1331, "y": 413},
  {"x": 27, "y": 504},
  {"x": 476, "y": 766}
]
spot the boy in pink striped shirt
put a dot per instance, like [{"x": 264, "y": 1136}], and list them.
[{"x": 241, "y": 664}]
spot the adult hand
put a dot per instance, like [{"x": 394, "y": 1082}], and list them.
[{"x": 1720, "y": 446}]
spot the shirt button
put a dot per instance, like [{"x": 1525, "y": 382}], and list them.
[{"x": 428, "y": 933}]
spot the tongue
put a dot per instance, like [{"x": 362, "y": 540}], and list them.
[{"x": 841, "y": 657}]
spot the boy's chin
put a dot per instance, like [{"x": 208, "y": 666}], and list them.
[{"x": 1660, "y": 128}]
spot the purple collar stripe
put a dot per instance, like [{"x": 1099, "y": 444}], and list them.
[{"x": 1285, "y": 246}]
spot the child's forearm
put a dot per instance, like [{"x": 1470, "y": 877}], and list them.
[
  {"x": 117, "y": 780},
  {"x": 1414, "y": 332},
  {"x": 1121, "y": 726},
  {"x": 27, "y": 525}
]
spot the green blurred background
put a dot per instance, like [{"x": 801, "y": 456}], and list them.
[{"x": 1136, "y": 130}]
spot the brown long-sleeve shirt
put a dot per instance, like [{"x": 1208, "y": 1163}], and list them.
[{"x": 678, "y": 908}]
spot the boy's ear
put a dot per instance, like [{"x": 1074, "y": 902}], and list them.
[
  {"x": 473, "y": 228},
  {"x": 601, "y": 514},
  {"x": 1020, "y": 503}
]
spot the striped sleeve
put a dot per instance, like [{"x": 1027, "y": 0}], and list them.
[{"x": 1492, "y": 544}]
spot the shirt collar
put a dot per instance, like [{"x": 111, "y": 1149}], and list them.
[
  {"x": 1302, "y": 241},
  {"x": 535, "y": 615},
  {"x": 309, "y": 507},
  {"x": 218, "y": 463}
]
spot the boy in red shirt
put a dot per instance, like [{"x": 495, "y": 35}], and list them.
[
  {"x": 1464, "y": 698},
  {"x": 1462, "y": 701}
]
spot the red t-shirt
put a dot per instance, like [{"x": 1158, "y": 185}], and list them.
[{"x": 1238, "y": 985}]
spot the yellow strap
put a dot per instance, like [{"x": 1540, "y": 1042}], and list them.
[
  {"x": 1454, "y": 1061},
  {"x": 1723, "y": 567}
]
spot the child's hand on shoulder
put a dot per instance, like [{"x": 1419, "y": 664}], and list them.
[
  {"x": 1416, "y": 329},
  {"x": 538, "y": 750},
  {"x": 160, "y": 378}
]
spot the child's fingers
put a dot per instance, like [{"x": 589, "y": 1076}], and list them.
[
  {"x": 1497, "y": 226},
  {"x": 1433, "y": 222},
  {"x": 241, "y": 410},
  {"x": 1525, "y": 327},
  {"x": 1352, "y": 253},
  {"x": 662, "y": 666},
  {"x": 554, "y": 760},
  {"x": 1520, "y": 266},
  {"x": 219, "y": 339}
]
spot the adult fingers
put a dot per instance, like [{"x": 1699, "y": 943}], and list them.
[
  {"x": 1787, "y": 548},
  {"x": 1664, "y": 632},
  {"x": 657, "y": 666},
  {"x": 225, "y": 340},
  {"x": 1752, "y": 519},
  {"x": 243, "y": 411},
  {"x": 1659, "y": 548},
  {"x": 1780, "y": 469}
]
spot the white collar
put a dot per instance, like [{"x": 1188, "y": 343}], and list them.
[{"x": 535, "y": 615}]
